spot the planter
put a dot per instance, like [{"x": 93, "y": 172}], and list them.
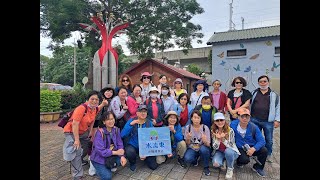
[{"x": 49, "y": 116}]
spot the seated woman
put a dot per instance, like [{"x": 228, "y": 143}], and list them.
[
  {"x": 223, "y": 143},
  {"x": 197, "y": 137},
  {"x": 178, "y": 145},
  {"x": 107, "y": 142}
]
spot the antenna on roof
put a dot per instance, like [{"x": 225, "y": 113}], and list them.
[
  {"x": 242, "y": 20},
  {"x": 231, "y": 24}
]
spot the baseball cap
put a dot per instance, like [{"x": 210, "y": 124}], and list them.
[
  {"x": 141, "y": 107},
  {"x": 218, "y": 115},
  {"x": 242, "y": 111}
]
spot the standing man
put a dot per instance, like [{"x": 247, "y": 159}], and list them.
[
  {"x": 265, "y": 111},
  {"x": 249, "y": 141}
]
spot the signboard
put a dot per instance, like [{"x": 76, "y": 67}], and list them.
[{"x": 154, "y": 141}]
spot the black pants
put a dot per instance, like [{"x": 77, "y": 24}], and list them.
[
  {"x": 84, "y": 141},
  {"x": 261, "y": 156},
  {"x": 131, "y": 153}
]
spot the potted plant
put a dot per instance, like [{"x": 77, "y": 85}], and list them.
[{"x": 50, "y": 105}]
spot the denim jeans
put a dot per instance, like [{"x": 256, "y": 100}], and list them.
[
  {"x": 191, "y": 156},
  {"x": 103, "y": 172},
  {"x": 131, "y": 153},
  {"x": 268, "y": 128},
  {"x": 229, "y": 154}
]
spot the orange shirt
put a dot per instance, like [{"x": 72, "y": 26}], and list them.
[{"x": 85, "y": 121}]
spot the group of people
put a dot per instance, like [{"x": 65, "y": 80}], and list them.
[{"x": 108, "y": 130}]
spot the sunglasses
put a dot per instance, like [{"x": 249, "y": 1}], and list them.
[
  {"x": 218, "y": 120},
  {"x": 146, "y": 77},
  {"x": 263, "y": 81},
  {"x": 245, "y": 116},
  {"x": 124, "y": 80},
  {"x": 238, "y": 82}
]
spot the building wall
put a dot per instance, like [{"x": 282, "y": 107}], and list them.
[
  {"x": 157, "y": 70},
  {"x": 262, "y": 54}
]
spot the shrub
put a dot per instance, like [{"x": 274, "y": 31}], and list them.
[
  {"x": 50, "y": 101},
  {"x": 73, "y": 98}
]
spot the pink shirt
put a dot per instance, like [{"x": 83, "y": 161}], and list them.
[
  {"x": 155, "y": 110},
  {"x": 216, "y": 97}
]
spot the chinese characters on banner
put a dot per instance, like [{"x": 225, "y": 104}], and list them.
[{"x": 154, "y": 141}]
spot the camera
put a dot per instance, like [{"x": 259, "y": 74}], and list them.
[{"x": 246, "y": 147}]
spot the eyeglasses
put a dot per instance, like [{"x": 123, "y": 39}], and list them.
[
  {"x": 245, "y": 116},
  {"x": 216, "y": 84},
  {"x": 124, "y": 80},
  {"x": 146, "y": 77},
  {"x": 183, "y": 99},
  {"x": 218, "y": 120},
  {"x": 263, "y": 81},
  {"x": 238, "y": 82},
  {"x": 143, "y": 112}
]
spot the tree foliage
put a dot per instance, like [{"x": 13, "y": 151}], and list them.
[
  {"x": 195, "y": 69},
  {"x": 43, "y": 62},
  {"x": 60, "y": 68},
  {"x": 153, "y": 22}
]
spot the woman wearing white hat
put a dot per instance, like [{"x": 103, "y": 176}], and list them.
[
  {"x": 223, "y": 144},
  {"x": 155, "y": 107}
]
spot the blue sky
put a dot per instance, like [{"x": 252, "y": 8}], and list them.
[{"x": 256, "y": 13}]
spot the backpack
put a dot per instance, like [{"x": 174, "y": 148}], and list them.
[{"x": 66, "y": 118}]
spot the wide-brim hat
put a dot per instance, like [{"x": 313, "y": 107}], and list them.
[
  {"x": 171, "y": 113},
  {"x": 201, "y": 81},
  {"x": 146, "y": 74},
  {"x": 153, "y": 88},
  {"x": 177, "y": 80}
]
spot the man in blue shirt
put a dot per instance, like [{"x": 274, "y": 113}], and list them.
[{"x": 247, "y": 134}]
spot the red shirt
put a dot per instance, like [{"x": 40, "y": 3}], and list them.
[
  {"x": 222, "y": 147},
  {"x": 184, "y": 116}
]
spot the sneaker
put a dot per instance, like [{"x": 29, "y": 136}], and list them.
[
  {"x": 84, "y": 162},
  {"x": 197, "y": 162},
  {"x": 113, "y": 169},
  {"x": 182, "y": 163},
  {"x": 260, "y": 172},
  {"x": 269, "y": 159},
  {"x": 133, "y": 167},
  {"x": 229, "y": 173},
  {"x": 206, "y": 171}
]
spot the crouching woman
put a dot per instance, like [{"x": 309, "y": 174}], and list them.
[{"x": 107, "y": 144}]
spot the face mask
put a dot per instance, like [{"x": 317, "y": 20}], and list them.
[
  {"x": 92, "y": 107},
  {"x": 165, "y": 92},
  {"x": 264, "y": 87},
  {"x": 206, "y": 107},
  {"x": 153, "y": 96}
]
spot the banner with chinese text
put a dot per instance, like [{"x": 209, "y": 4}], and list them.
[{"x": 154, "y": 141}]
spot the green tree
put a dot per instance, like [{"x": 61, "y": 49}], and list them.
[
  {"x": 195, "y": 69},
  {"x": 60, "y": 68},
  {"x": 43, "y": 62},
  {"x": 154, "y": 23}
]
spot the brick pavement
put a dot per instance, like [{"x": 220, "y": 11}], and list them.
[{"x": 52, "y": 165}]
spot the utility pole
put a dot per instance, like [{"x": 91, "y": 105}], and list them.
[
  {"x": 242, "y": 20},
  {"x": 230, "y": 19},
  {"x": 74, "y": 63}
]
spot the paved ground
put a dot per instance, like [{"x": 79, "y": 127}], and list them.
[{"x": 52, "y": 165}]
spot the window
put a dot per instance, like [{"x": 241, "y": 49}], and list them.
[
  {"x": 277, "y": 50},
  {"x": 237, "y": 53}
]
